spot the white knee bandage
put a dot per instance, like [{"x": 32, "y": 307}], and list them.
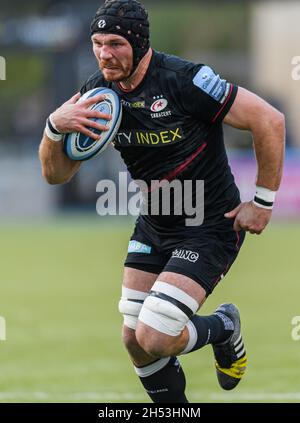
[
  {"x": 130, "y": 306},
  {"x": 167, "y": 309}
]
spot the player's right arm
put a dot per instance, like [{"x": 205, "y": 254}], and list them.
[{"x": 57, "y": 168}]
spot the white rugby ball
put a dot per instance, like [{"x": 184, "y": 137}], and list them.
[{"x": 78, "y": 146}]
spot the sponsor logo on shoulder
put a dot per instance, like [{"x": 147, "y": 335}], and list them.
[
  {"x": 138, "y": 247},
  {"x": 211, "y": 83},
  {"x": 188, "y": 255}
]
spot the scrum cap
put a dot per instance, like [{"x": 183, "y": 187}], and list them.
[{"x": 127, "y": 18}]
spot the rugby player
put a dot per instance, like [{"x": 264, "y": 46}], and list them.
[{"x": 171, "y": 268}]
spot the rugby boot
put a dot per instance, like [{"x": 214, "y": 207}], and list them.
[{"x": 231, "y": 359}]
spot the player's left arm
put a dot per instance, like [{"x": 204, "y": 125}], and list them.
[{"x": 267, "y": 126}]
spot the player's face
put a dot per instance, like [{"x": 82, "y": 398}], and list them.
[{"x": 114, "y": 55}]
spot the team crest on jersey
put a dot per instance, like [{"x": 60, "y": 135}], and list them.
[{"x": 159, "y": 106}]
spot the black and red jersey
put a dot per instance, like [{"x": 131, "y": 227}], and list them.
[{"x": 172, "y": 129}]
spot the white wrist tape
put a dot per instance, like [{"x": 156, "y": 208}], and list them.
[
  {"x": 53, "y": 125},
  {"x": 52, "y": 132},
  {"x": 264, "y": 198}
]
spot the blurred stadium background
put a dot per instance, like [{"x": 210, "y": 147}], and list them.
[{"x": 61, "y": 264}]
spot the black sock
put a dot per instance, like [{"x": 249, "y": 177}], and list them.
[
  {"x": 205, "y": 330},
  {"x": 164, "y": 381}
]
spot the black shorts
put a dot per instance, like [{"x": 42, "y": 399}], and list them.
[{"x": 202, "y": 254}]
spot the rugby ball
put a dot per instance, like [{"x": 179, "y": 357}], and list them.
[{"x": 78, "y": 146}]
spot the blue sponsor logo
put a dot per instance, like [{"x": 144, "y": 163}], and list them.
[
  {"x": 138, "y": 247},
  {"x": 210, "y": 83}
]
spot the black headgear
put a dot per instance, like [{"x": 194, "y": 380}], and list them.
[{"x": 127, "y": 18}]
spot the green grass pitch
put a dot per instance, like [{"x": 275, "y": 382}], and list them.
[{"x": 59, "y": 292}]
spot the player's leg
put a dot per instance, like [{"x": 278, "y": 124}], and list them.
[
  {"x": 165, "y": 377},
  {"x": 136, "y": 287},
  {"x": 164, "y": 322},
  {"x": 142, "y": 265},
  {"x": 168, "y": 324},
  {"x": 166, "y": 327}
]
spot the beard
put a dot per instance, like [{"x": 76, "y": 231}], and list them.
[{"x": 114, "y": 73}]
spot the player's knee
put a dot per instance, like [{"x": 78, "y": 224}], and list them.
[
  {"x": 155, "y": 344},
  {"x": 130, "y": 306},
  {"x": 164, "y": 315}
]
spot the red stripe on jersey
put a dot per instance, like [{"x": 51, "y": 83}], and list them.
[
  {"x": 183, "y": 165},
  {"x": 172, "y": 175},
  {"x": 222, "y": 108}
]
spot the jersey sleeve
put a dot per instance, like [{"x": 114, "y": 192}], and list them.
[{"x": 206, "y": 96}]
